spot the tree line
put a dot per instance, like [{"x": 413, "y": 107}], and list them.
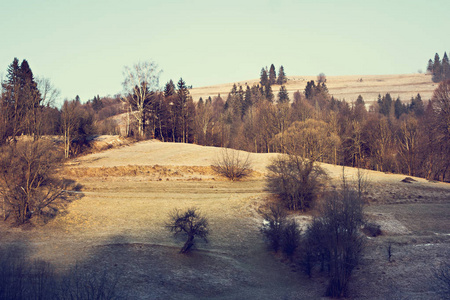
[
  {"x": 440, "y": 70},
  {"x": 389, "y": 136}
]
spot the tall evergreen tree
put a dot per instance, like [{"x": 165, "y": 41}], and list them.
[
  {"x": 169, "y": 89},
  {"x": 281, "y": 76},
  {"x": 310, "y": 89},
  {"x": 268, "y": 93},
  {"x": 445, "y": 67},
  {"x": 264, "y": 80},
  {"x": 416, "y": 106},
  {"x": 437, "y": 69},
  {"x": 184, "y": 110},
  {"x": 359, "y": 100},
  {"x": 283, "y": 95},
  {"x": 430, "y": 66},
  {"x": 272, "y": 75}
]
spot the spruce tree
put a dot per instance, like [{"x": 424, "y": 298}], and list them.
[
  {"x": 248, "y": 98},
  {"x": 268, "y": 93},
  {"x": 169, "y": 89},
  {"x": 272, "y": 75},
  {"x": 437, "y": 69},
  {"x": 281, "y": 76},
  {"x": 310, "y": 89},
  {"x": 359, "y": 100},
  {"x": 283, "y": 95},
  {"x": 264, "y": 80},
  {"x": 445, "y": 67},
  {"x": 430, "y": 66}
]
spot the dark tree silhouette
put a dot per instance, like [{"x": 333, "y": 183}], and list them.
[
  {"x": 272, "y": 75},
  {"x": 281, "y": 76},
  {"x": 264, "y": 79},
  {"x": 189, "y": 223}
]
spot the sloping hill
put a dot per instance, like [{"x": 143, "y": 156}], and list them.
[
  {"x": 390, "y": 187},
  {"x": 404, "y": 86}
]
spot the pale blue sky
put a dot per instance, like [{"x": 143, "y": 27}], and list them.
[{"x": 83, "y": 45}]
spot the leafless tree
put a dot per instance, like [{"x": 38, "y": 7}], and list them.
[
  {"x": 189, "y": 223},
  {"x": 28, "y": 186},
  {"x": 140, "y": 81},
  {"x": 321, "y": 78},
  {"x": 295, "y": 180},
  {"x": 333, "y": 240},
  {"x": 232, "y": 165},
  {"x": 274, "y": 221}
]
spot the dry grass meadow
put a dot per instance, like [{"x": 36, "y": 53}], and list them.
[
  {"x": 128, "y": 191},
  {"x": 349, "y": 87}
]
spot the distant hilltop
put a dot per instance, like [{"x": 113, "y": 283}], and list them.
[{"x": 347, "y": 87}]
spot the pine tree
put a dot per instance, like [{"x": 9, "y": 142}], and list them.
[
  {"x": 268, "y": 93},
  {"x": 264, "y": 79},
  {"x": 437, "y": 69},
  {"x": 181, "y": 107},
  {"x": 20, "y": 102},
  {"x": 445, "y": 67},
  {"x": 272, "y": 75},
  {"x": 281, "y": 76},
  {"x": 417, "y": 106},
  {"x": 248, "y": 98},
  {"x": 310, "y": 89},
  {"x": 359, "y": 100},
  {"x": 169, "y": 89},
  {"x": 283, "y": 95},
  {"x": 430, "y": 66},
  {"x": 399, "y": 108}
]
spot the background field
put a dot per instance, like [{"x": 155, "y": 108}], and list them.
[
  {"x": 118, "y": 223},
  {"x": 404, "y": 86}
]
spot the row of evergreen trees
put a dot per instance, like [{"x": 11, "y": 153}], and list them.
[
  {"x": 439, "y": 69},
  {"x": 269, "y": 77},
  {"x": 20, "y": 102}
]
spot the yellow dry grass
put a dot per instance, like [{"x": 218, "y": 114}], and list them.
[{"x": 349, "y": 87}]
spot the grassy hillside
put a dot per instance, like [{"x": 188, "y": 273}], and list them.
[
  {"x": 343, "y": 87},
  {"x": 118, "y": 225}
]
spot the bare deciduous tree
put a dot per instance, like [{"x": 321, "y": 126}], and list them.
[
  {"x": 189, "y": 223},
  {"x": 27, "y": 183},
  {"x": 295, "y": 180},
  {"x": 232, "y": 165},
  {"x": 332, "y": 240},
  {"x": 140, "y": 81}
]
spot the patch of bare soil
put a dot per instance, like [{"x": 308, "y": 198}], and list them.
[{"x": 128, "y": 192}]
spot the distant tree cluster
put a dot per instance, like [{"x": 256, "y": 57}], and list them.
[
  {"x": 390, "y": 135},
  {"x": 270, "y": 77},
  {"x": 439, "y": 69}
]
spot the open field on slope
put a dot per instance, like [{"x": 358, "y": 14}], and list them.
[
  {"x": 118, "y": 224},
  {"x": 404, "y": 86}
]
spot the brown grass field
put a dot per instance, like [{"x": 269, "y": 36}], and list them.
[
  {"x": 118, "y": 223},
  {"x": 404, "y": 86}
]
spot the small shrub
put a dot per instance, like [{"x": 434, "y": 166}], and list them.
[
  {"x": 291, "y": 235},
  {"x": 280, "y": 233},
  {"x": 232, "y": 165},
  {"x": 189, "y": 223},
  {"x": 273, "y": 226}
]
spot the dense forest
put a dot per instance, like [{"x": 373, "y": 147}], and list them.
[{"x": 409, "y": 136}]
